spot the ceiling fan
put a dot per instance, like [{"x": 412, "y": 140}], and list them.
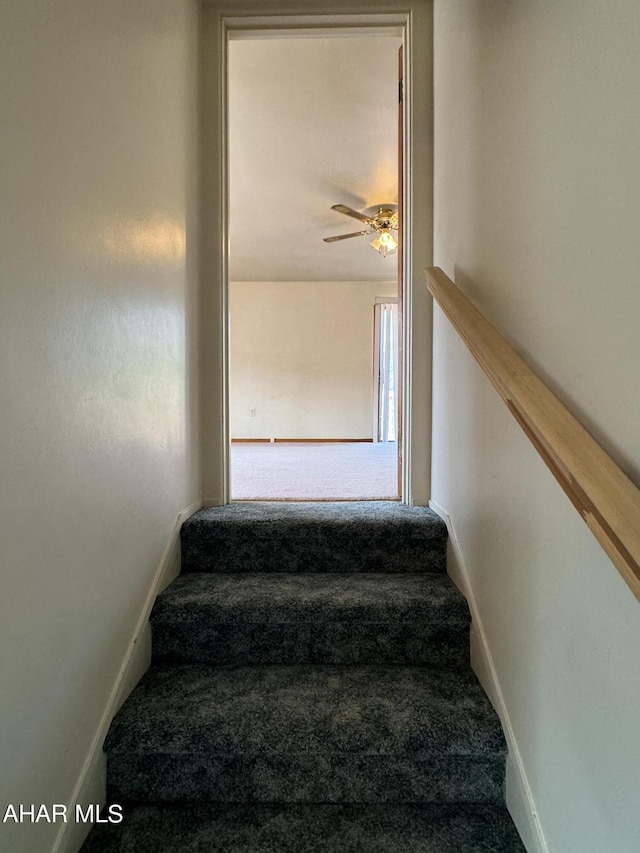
[{"x": 382, "y": 224}]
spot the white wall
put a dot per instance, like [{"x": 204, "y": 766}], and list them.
[
  {"x": 536, "y": 217},
  {"x": 302, "y": 357},
  {"x": 97, "y": 386}
]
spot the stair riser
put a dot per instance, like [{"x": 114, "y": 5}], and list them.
[
  {"x": 306, "y": 779},
  {"x": 254, "y": 828},
  {"x": 302, "y": 555},
  {"x": 225, "y": 644}
]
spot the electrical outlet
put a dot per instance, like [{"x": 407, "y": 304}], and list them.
[{"x": 252, "y": 413}]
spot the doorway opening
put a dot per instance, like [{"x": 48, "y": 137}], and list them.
[
  {"x": 313, "y": 125},
  {"x": 220, "y": 26}
]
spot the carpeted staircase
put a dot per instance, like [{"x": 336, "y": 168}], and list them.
[{"x": 310, "y": 691}]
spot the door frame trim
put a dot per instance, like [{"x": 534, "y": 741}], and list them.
[{"x": 221, "y": 21}]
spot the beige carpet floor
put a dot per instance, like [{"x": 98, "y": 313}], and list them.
[{"x": 314, "y": 471}]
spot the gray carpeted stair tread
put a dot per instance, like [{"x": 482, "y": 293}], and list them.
[
  {"x": 322, "y": 709},
  {"x": 206, "y": 828},
  {"x": 261, "y": 517},
  {"x": 366, "y": 536},
  {"x": 256, "y": 597},
  {"x": 307, "y": 734},
  {"x": 346, "y": 618}
]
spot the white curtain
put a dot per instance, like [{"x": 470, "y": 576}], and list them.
[{"x": 387, "y": 371}]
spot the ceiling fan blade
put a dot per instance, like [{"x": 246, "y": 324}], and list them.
[
  {"x": 349, "y": 211},
  {"x": 345, "y": 236}
]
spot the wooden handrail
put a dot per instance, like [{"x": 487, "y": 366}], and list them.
[{"x": 603, "y": 495}]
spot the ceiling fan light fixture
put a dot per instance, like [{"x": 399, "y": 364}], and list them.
[
  {"x": 385, "y": 243},
  {"x": 382, "y": 224}
]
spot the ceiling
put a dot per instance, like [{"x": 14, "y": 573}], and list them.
[{"x": 313, "y": 122}]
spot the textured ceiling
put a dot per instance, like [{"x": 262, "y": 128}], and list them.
[{"x": 313, "y": 122}]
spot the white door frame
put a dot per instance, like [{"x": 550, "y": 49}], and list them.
[{"x": 221, "y": 21}]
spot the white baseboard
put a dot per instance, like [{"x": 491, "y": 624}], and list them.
[
  {"x": 520, "y": 801},
  {"x": 91, "y": 784}
]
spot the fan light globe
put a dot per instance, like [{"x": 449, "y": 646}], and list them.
[{"x": 385, "y": 243}]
